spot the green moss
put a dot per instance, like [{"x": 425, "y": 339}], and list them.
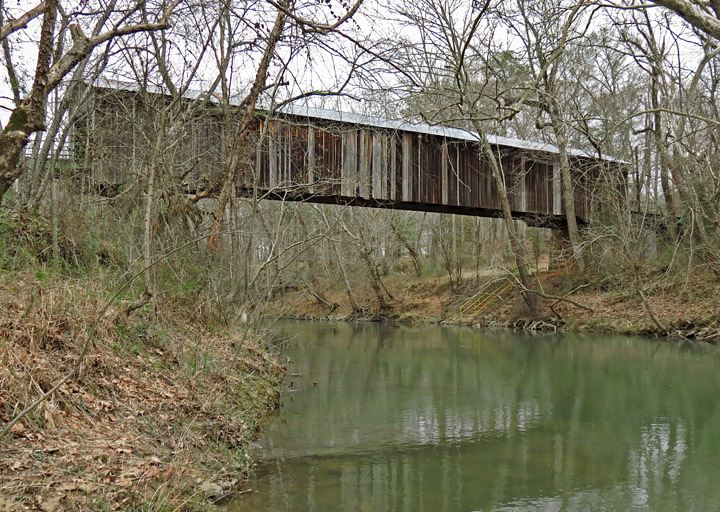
[
  {"x": 8, "y": 144},
  {"x": 18, "y": 120}
]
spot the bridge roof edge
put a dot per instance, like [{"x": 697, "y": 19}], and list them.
[
  {"x": 372, "y": 121},
  {"x": 428, "y": 129}
]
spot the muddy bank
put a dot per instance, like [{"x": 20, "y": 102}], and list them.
[
  {"x": 690, "y": 310},
  {"x": 157, "y": 418}
]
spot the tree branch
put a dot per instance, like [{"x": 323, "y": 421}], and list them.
[
  {"x": 693, "y": 14},
  {"x": 21, "y": 22},
  {"x": 84, "y": 45},
  {"x": 317, "y": 27}
]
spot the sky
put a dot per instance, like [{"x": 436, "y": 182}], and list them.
[{"x": 321, "y": 68}]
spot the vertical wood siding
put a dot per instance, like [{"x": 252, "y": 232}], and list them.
[{"x": 324, "y": 159}]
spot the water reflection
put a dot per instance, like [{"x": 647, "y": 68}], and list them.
[{"x": 385, "y": 418}]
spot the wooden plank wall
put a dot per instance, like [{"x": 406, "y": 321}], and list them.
[
  {"x": 323, "y": 159},
  {"x": 385, "y": 166}
]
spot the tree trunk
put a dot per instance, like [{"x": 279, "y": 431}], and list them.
[
  {"x": 660, "y": 136},
  {"x": 568, "y": 190},
  {"x": 374, "y": 275},
  {"x": 148, "y": 221},
  {"x": 236, "y": 154},
  {"x": 29, "y": 116},
  {"x": 312, "y": 274},
  {"x": 13, "y": 140},
  {"x": 348, "y": 287},
  {"x": 516, "y": 245},
  {"x": 410, "y": 249}
]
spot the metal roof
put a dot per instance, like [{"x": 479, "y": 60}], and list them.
[
  {"x": 428, "y": 129},
  {"x": 370, "y": 121}
]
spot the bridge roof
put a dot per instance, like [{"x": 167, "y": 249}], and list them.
[
  {"x": 372, "y": 121},
  {"x": 429, "y": 129}
]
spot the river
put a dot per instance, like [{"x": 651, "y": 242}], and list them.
[{"x": 391, "y": 418}]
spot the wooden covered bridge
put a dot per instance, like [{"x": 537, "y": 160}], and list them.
[{"x": 324, "y": 156}]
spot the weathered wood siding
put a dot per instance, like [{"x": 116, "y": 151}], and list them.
[{"x": 330, "y": 161}]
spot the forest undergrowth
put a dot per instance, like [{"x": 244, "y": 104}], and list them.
[{"x": 159, "y": 413}]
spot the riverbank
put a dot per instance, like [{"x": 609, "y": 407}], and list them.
[
  {"x": 157, "y": 418},
  {"x": 687, "y": 309}
]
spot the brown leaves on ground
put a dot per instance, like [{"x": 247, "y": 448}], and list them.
[
  {"x": 147, "y": 418},
  {"x": 690, "y": 308}
]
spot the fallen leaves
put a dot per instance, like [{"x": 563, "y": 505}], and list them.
[
  {"x": 130, "y": 422},
  {"x": 18, "y": 429}
]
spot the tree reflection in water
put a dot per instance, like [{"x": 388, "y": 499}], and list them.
[{"x": 448, "y": 419}]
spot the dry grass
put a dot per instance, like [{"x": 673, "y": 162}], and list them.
[{"x": 157, "y": 416}]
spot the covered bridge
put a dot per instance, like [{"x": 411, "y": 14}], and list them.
[{"x": 325, "y": 156}]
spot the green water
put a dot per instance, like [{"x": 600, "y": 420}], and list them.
[{"x": 387, "y": 418}]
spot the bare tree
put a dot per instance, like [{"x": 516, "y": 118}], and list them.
[
  {"x": 545, "y": 28},
  {"x": 53, "y": 65}
]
